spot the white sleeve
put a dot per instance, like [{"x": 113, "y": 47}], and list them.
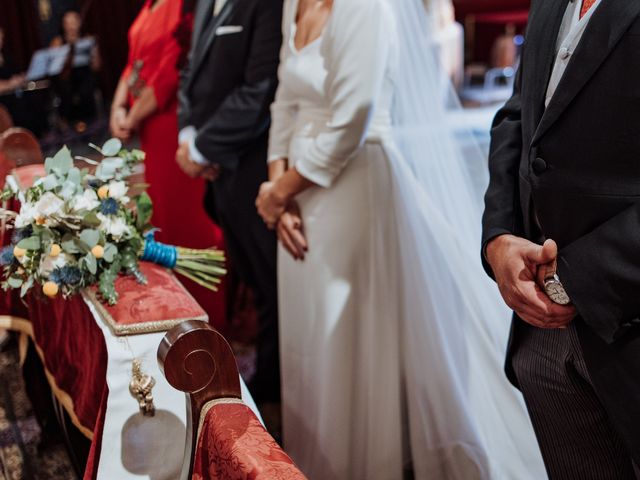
[
  {"x": 355, "y": 47},
  {"x": 285, "y": 106}
]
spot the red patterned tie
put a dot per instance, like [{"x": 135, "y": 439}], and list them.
[{"x": 586, "y": 5}]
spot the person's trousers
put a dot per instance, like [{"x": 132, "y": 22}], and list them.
[
  {"x": 252, "y": 250},
  {"x": 574, "y": 431}
]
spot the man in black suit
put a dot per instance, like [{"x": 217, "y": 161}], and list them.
[
  {"x": 562, "y": 233},
  {"x": 225, "y": 94}
]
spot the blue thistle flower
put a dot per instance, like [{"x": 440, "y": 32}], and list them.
[
  {"x": 21, "y": 233},
  {"x": 6, "y": 256},
  {"x": 109, "y": 206},
  {"x": 67, "y": 275}
]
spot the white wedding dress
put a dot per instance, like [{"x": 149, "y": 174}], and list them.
[{"x": 392, "y": 338}]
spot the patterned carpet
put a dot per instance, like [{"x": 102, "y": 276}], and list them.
[{"x": 22, "y": 454}]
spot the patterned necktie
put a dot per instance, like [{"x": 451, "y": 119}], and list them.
[{"x": 586, "y": 5}]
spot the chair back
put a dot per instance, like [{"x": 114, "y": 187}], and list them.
[
  {"x": 20, "y": 147},
  {"x": 225, "y": 439},
  {"x": 6, "y": 122},
  {"x": 197, "y": 360}
]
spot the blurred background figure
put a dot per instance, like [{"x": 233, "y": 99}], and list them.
[
  {"x": 145, "y": 102},
  {"x": 10, "y": 78},
  {"x": 75, "y": 86}
]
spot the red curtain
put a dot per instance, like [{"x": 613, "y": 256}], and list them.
[
  {"x": 19, "y": 20},
  {"x": 481, "y": 36}
]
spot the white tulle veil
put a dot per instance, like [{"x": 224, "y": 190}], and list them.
[{"x": 465, "y": 421}]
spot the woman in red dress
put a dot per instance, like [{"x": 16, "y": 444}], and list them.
[{"x": 146, "y": 102}]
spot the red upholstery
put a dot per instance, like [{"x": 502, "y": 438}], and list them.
[
  {"x": 28, "y": 174},
  {"x": 233, "y": 445},
  {"x": 155, "y": 307}
]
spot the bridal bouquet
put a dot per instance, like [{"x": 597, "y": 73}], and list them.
[{"x": 76, "y": 229}]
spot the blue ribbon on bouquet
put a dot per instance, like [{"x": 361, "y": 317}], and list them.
[{"x": 156, "y": 252}]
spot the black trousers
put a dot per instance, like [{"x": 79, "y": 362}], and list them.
[
  {"x": 252, "y": 250},
  {"x": 574, "y": 431}
]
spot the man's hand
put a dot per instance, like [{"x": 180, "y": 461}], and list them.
[
  {"x": 516, "y": 263},
  {"x": 212, "y": 173},
  {"x": 290, "y": 232},
  {"x": 188, "y": 166},
  {"x": 270, "y": 205}
]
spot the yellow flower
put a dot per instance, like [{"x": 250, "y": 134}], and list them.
[
  {"x": 19, "y": 252},
  {"x": 103, "y": 192},
  {"x": 40, "y": 220},
  {"x": 55, "y": 250},
  {"x": 50, "y": 289},
  {"x": 98, "y": 251}
]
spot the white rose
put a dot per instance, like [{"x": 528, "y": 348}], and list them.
[
  {"x": 114, "y": 226},
  {"x": 48, "y": 263},
  {"x": 118, "y": 190},
  {"x": 49, "y": 204},
  {"x": 27, "y": 215},
  {"x": 87, "y": 201}
]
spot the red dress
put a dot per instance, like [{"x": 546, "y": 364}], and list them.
[{"x": 154, "y": 54}]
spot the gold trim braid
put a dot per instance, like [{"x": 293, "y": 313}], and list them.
[{"x": 25, "y": 328}]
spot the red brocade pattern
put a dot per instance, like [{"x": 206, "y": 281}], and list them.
[
  {"x": 157, "y": 306},
  {"x": 233, "y": 445}
]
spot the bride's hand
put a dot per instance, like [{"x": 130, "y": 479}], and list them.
[
  {"x": 291, "y": 233},
  {"x": 270, "y": 205}
]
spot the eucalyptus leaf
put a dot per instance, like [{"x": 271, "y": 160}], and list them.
[
  {"x": 144, "y": 207},
  {"x": 26, "y": 286},
  {"x": 68, "y": 190},
  {"x": 31, "y": 243},
  {"x": 91, "y": 263},
  {"x": 91, "y": 220},
  {"x": 90, "y": 237},
  {"x": 70, "y": 244},
  {"x": 50, "y": 182},
  {"x": 14, "y": 282},
  {"x": 46, "y": 235},
  {"x": 110, "y": 252},
  {"x": 74, "y": 176},
  {"x": 111, "y": 147},
  {"x": 61, "y": 162},
  {"x": 108, "y": 167}
]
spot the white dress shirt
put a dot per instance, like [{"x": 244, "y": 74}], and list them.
[
  {"x": 569, "y": 37},
  {"x": 218, "y": 8}
]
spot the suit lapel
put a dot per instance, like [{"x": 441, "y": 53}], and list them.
[
  {"x": 606, "y": 27},
  {"x": 543, "y": 36},
  {"x": 204, "y": 9},
  {"x": 208, "y": 36}
]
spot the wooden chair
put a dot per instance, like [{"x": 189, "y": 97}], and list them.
[
  {"x": 6, "y": 122},
  {"x": 20, "y": 147},
  {"x": 222, "y": 432}
]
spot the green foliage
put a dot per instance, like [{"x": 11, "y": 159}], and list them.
[
  {"x": 144, "y": 208},
  {"x": 62, "y": 220}
]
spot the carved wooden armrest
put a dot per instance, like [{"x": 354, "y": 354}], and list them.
[{"x": 225, "y": 440}]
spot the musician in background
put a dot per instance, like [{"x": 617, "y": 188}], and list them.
[{"x": 76, "y": 84}]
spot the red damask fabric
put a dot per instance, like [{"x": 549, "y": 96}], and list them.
[
  {"x": 162, "y": 299},
  {"x": 233, "y": 445}
]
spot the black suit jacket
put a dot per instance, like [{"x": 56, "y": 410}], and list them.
[
  {"x": 229, "y": 83},
  {"x": 576, "y": 165}
]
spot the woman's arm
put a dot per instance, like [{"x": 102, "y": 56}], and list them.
[
  {"x": 117, "y": 121},
  {"x": 356, "y": 49},
  {"x": 144, "y": 106},
  {"x": 277, "y": 168}
]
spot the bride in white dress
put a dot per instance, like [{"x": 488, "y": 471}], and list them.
[{"x": 392, "y": 340}]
